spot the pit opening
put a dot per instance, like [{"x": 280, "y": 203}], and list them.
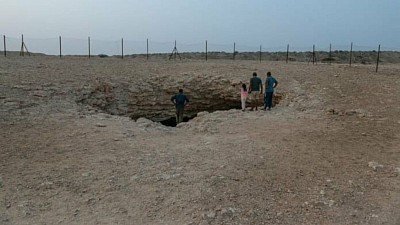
[
  {"x": 125, "y": 101},
  {"x": 171, "y": 122}
]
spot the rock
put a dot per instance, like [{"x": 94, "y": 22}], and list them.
[
  {"x": 143, "y": 120},
  {"x": 397, "y": 170},
  {"x": 211, "y": 215},
  {"x": 100, "y": 125},
  {"x": 39, "y": 94},
  {"x": 350, "y": 112},
  {"x": 229, "y": 211},
  {"x": 200, "y": 114},
  {"x": 375, "y": 165}
]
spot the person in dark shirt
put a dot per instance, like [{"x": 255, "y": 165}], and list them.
[
  {"x": 255, "y": 90},
  {"x": 180, "y": 101},
  {"x": 270, "y": 84}
]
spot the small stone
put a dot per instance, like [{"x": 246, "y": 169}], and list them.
[
  {"x": 86, "y": 174},
  {"x": 100, "y": 125},
  {"x": 375, "y": 165},
  {"x": 211, "y": 214}
]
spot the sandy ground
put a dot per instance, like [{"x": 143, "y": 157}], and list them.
[{"x": 328, "y": 154}]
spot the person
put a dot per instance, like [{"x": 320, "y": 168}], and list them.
[
  {"x": 270, "y": 84},
  {"x": 243, "y": 96},
  {"x": 180, "y": 101},
  {"x": 255, "y": 90}
]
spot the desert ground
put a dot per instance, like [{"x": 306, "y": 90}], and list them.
[{"x": 80, "y": 143}]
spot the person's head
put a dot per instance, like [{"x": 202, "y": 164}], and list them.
[
  {"x": 268, "y": 74},
  {"x": 254, "y": 74},
  {"x": 180, "y": 90},
  {"x": 244, "y": 87}
]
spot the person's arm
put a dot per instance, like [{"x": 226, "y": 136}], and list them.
[
  {"x": 173, "y": 100},
  {"x": 186, "y": 101},
  {"x": 261, "y": 90},
  {"x": 276, "y": 83}
]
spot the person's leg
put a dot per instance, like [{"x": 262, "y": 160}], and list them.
[
  {"x": 177, "y": 116},
  {"x": 180, "y": 115},
  {"x": 243, "y": 103},
  {"x": 269, "y": 99},
  {"x": 252, "y": 101}
]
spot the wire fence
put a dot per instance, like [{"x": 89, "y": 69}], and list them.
[
  {"x": 79, "y": 46},
  {"x": 64, "y": 46}
]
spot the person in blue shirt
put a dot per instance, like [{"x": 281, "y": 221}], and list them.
[
  {"x": 270, "y": 84},
  {"x": 180, "y": 101}
]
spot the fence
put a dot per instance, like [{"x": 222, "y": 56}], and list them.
[{"x": 88, "y": 47}]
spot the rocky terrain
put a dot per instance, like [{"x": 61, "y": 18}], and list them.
[{"x": 80, "y": 145}]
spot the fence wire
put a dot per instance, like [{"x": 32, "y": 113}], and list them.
[{"x": 80, "y": 46}]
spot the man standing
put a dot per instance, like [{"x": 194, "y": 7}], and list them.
[
  {"x": 255, "y": 90},
  {"x": 270, "y": 84},
  {"x": 180, "y": 101}
]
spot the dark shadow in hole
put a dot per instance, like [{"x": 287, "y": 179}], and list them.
[{"x": 171, "y": 122}]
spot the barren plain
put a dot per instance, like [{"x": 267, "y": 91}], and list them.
[{"x": 75, "y": 147}]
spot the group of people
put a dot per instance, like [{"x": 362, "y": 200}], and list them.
[{"x": 255, "y": 90}]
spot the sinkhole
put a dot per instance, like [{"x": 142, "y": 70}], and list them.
[{"x": 124, "y": 100}]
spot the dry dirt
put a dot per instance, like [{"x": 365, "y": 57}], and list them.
[{"x": 329, "y": 153}]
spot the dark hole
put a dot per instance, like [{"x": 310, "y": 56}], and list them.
[{"x": 171, "y": 122}]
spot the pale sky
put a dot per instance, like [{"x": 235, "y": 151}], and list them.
[{"x": 254, "y": 22}]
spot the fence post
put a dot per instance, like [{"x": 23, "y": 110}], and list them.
[
  {"x": 122, "y": 48},
  {"x": 313, "y": 54},
  {"x": 377, "y": 60},
  {"x": 60, "y": 47},
  {"x": 351, "y": 52},
  {"x": 287, "y": 53},
  {"x": 330, "y": 53},
  {"x": 260, "y": 53},
  {"x": 21, "y": 53},
  {"x": 89, "y": 46},
  {"x": 234, "y": 50},
  {"x": 206, "y": 50},
  {"x": 147, "y": 47},
  {"x": 5, "y": 48}
]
